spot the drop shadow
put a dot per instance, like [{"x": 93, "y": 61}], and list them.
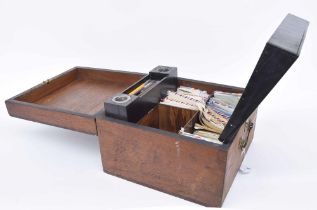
[{"x": 62, "y": 137}]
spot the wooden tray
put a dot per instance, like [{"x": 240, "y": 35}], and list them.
[{"x": 72, "y": 99}]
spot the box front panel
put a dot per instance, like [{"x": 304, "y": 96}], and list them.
[{"x": 173, "y": 165}]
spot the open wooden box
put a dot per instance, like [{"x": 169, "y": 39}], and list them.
[{"x": 139, "y": 138}]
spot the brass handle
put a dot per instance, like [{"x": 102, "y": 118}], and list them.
[{"x": 245, "y": 138}]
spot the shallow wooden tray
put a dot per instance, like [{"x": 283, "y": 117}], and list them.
[{"x": 72, "y": 99}]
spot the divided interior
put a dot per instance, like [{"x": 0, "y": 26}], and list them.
[
  {"x": 172, "y": 118},
  {"x": 167, "y": 118},
  {"x": 81, "y": 90}
]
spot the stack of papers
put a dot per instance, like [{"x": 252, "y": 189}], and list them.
[
  {"x": 214, "y": 112},
  {"x": 186, "y": 97}
]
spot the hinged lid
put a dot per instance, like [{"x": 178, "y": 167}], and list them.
[{"x": 280, "y": 52}]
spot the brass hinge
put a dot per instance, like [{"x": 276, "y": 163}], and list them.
[{"x": 46, "y": 82}]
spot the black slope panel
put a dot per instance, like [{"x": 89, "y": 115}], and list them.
[{"x": 279, "y": 54}]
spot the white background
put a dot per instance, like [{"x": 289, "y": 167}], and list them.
[{"x": 43, "y": 167}]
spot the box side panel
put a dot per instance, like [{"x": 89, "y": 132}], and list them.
[
  {"x": 235, "y": 155},
  {"x": 53, "y": 117},
  {"x": 173, "y": 165}
]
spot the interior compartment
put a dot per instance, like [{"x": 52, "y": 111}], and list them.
[
  {"x": 81, "y": 90},
  {"x": 167, "y": 118},
  {"x": 142, "y": 86},
  {"x": 172, "y": 119},
  {"x": 189, "y": 126}
]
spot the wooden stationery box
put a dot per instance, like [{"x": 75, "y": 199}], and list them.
[
  {"x": 147, "y": 151},
  {"x": 138, "y": 136}
]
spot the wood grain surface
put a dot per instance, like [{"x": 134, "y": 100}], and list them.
[
  {"x": 59, "y": 118},
  {"x": 167, "y": 118},
  {"x": 188, "y": 168},
  {"x": 82, "y": 96},
  {"x": 183, "y": 168}
]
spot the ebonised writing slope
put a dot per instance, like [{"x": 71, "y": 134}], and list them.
[{"x": 279, "y": 54}]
